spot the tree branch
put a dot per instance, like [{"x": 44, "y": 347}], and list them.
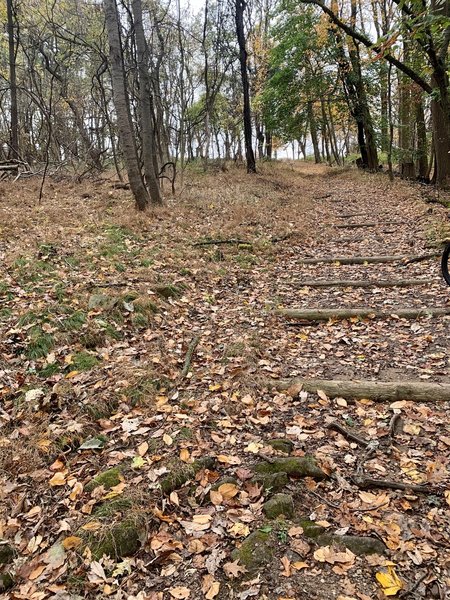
[{"x": 372, "y": 46}]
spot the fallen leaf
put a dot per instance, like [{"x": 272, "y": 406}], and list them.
[
  {"x": 180, "y": 593},
  {"x": 389, "y": 581},
  {"x": 228, "y": 490},
  {"x": 234, "y": 569},
  {"x": 71, "y": 542},
  {"x": 286, "y": 572}
]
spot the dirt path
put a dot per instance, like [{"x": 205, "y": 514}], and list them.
[{"x": 99, "y": 310}]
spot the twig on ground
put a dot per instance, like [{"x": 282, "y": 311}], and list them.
[
  {"x": 191, "y": 349},
  {"x": 348, "y": 434},
  {"x": 221, "y": 242},
  {"x": 365, "y": 483}
]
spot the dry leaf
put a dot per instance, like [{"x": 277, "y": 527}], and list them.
[
  {"x": 228, "y": 490},
  {"x": 71, "y": 542},
  {"x": 58, "y": 479},
  {"x": 180, "y": 593},
  {"x": 234, "y": 569},
  {"x": 184, "y": 455},
  {"x": 389, "y": 581},
  {"x": 286, "y": 572}
]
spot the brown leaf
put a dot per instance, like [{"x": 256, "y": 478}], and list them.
[{"x": 234, "y": 569}]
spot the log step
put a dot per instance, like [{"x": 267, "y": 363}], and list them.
[
  {"x": 387, "y": 391},
  {"x": 324, "y": 314},
  {"x": 361, "y": 260},
  {"x": 345, "y": 283}
]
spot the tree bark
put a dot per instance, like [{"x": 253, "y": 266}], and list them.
[
  {"x": 14, "y": 150},
  {"x": 149, "y": 153},
  {"x": 239, "y": 18},
  {"x": 121, "y": 102},
  {"x": 313, "y": 132},
  {"x": 384, "y": 391}
]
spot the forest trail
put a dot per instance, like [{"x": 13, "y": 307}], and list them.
[{"x": 137, "y": 371}]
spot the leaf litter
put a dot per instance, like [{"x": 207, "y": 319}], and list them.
[{"x": 95, "y": 417}]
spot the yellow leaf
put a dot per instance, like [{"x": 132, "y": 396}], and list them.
[
  {"x": 300, "y": 565},
  {"x": 228, "y": 490},
  {"x": 253, "y": 447},
  {"x": 389, "y": 581},
  {"x": 167, "y": 439},
  {"x": 77, "y": 490},
  {"x": 215, "y": 387},
  {"x": 71, "y": 542},
  {"x": 174, "y": 498},
  {"x": 239, "y": 530},
  {"x": 58, "y": 479},
  {"x": 72, "y": 374},
  {"x": 116, "y": 490},
  {"x": 447, "y": 496},
  {"x": 184, "y": 454}
]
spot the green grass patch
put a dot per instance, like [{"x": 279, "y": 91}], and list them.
[{"x": 83, "y": 361}]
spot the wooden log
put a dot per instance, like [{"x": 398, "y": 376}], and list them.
[
  {"x": 357, "y": 225},
  {"x": 363, "y": 283},
  {"x": 383, "y": 391},
  {"x": 361, "y": 260},
  {"x": 324, "y": 314}
]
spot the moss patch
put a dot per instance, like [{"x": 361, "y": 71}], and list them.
[
  {"x": 304, "y": 466},
  {"x": 107, "y": 479},
  {"x": 118, "y": 540},
  {"x": 280, "y": 504},
  {"x": 112, "y": 507},
  {"x": 7, "y": 553},
  {"x": 180, "y": 473},
  {"x": 282, "y": 445},
  {"x": 256, "y": 551},
  {"x": 361, "y": 546},
  {"x": 271, "y": 482}
]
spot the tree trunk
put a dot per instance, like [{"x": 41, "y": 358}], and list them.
[
  {"x": 239, "y": 17},
  {"x": 14, "y": 150},
  {"x": 149, "y": 153},
  {"x": 121, "y": 102},
  {"x": 389, "y": 391},
  {"x": 313, "y": 132},
  {"x": 422, "y": 150}
]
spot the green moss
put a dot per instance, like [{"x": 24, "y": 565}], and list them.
[
  {"x": 83, "y": 361},
  {"x": 282, "y": 445},
  {"x": 107, "y": 479},
  {"x": 280, "y": 504},
  {"x": 6, "y": 582},
  {"x": 101, "y": 409},
  {"x": 304, "y": 466},
  {"x": 271, "y": 482},
  {"x": 118, "y": 540},
  {"x": 181, "y": 473},
  {"x": 7, "y": 553},
  {"x": 311, "y": 529},
  {"x": 112, "y": 507},
  {"x": 93, "y": 339},
  {"x": 256, "y": 551}
]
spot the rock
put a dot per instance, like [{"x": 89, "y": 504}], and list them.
[
  {"x": 256, "y": 551},
  {"x": 361, "y": 546},
  {"x": 271, "y": 482},
  {"x": 107, "y": 479},
  {"x": 6, "y": 582},
  {"x": 282, "y": 445},
  {"x": 280, "y": 504},
  {"x": 304, "y": 466},
  {"x": 7, "y": 553},
  {"x": 180, "y": 473},
  {"x": 121, "y": 539}
]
